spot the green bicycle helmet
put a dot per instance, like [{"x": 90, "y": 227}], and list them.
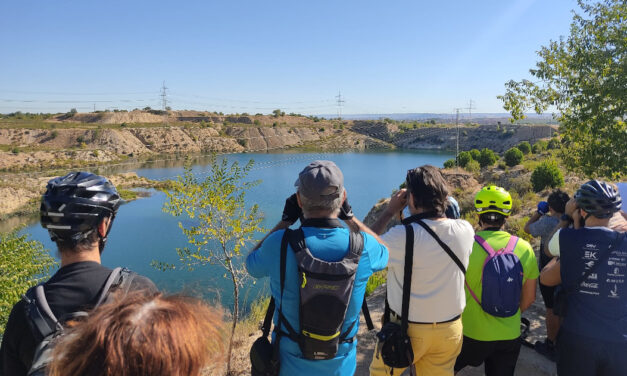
[{"x": 493, "y": 199}]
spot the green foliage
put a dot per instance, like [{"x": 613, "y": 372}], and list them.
[
  {"x": 449, "y": 163},
  {"x": 525, "y": 147},
  {"x": 513, "y": 156},
  {"x": 463, "y": 158},
  {"x": 376, "y": 279},
  {"x": 554, "y": 143},
  {"x": 475, "y": 154},
  {"x": 516, "y": 226},
  {"x": 584, "y": 76},
  {"x": 23, "y": 263},
  {"x": 487, "y": 158},
  {"x": 277, "y": 113},
  {"x": 473, "y": 166},
  {"x": 220, "y": 225},
  {"x": 539, "y": 146},
  {"x": 547, "y": 174},
  {"x": 15, "y": 150}
]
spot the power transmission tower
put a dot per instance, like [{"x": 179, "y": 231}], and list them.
[
  {"x": 164, "y": 98},
  {"x": 470, "y": 108},
  {"x": 457, "y": 141},
  {"x": 340, "y": 103}
]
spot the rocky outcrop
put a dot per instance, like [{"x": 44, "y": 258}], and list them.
[{"x": 496, "y": 137}]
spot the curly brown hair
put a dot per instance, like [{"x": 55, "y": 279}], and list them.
[{"x": 142, "y": 335}]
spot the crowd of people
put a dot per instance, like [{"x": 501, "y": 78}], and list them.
[{"x": 454, "y": 293}]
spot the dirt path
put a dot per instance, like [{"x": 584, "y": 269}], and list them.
[{"x": 529, "y": 362}]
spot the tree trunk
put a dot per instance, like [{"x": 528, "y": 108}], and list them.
[{"x": 235, "y": 316}]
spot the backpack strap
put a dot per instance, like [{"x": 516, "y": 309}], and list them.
[
  {"x": 511, "y": 244},
  {"x": 113, "y": 278},
  {"x": 409, "y": 263},
  {"x": 42, "y": 320},
  {"x": 486, "y": 247},
  {"x": 282, "y": 266},
  {"x": 444, "y": 246}
]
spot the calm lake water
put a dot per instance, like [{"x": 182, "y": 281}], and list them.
[{"x": 142, "y": 232}]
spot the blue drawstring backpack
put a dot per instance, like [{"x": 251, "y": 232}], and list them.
[{"x": 501, "y": 279}]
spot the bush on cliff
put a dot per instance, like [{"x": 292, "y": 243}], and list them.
[
  {"x": 525, "y": 147},
  {"x": 513, "y": 156},
  {"x": 487, "y": 158},
  {"x": 547, "y": 174}
]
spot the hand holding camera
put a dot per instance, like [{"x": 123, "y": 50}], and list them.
[
  {"x": 291, "y": 211},
  {"x": 346, "y": 211},
  {"x": 398, "y": 201}
]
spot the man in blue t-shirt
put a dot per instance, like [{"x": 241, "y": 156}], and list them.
[
  {"x": 591, "y": 265},
  {"x": 322, "y": 198}
]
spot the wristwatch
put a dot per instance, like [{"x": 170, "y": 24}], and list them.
[{"x": 566, "y": 217}]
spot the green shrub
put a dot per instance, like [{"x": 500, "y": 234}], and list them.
[
  {"x": 539, "y": 146},
  {"x": 473, "y": 166},
  {"x": 15, "y": 150},
  {"x": 554, "y": 143},
  {"x": 449, "y": 163},
  {"x": 547, "y": 174},
  {"x": 502, "y": 165},
  {"x": 475, "y": 154},
  {"x": 463, "y": 158},
  {"x": 376, "y": 280},
  {"x": 525, "y": 147},
  {"x": 487, "y": 158},
  {"x": 24, "y": 263},
  {"x": 513, "y": 156}
]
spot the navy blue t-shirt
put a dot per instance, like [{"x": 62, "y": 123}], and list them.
[{"x": 597, "y": 308}]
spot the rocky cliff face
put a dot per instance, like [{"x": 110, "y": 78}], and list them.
[{"x": 496, "y": 137}]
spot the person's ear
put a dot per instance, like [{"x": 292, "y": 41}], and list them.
[
  {"x": 103, "y": 226},
  {"x": 344, "y": 196},
  {"x": 300, "y": 204}
]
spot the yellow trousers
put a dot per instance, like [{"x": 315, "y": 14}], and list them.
[{"x": 435, "y": 346}]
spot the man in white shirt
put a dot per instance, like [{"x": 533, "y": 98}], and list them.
[{"x": 437, "y": 285}]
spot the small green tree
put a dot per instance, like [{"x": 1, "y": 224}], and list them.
[
  {"x": 525, "y": 147},
  {"x": 222, "y": 225},
  {"x": 583, "y": 75},
  {"x": 547, "y": 174},
  {"x": 463, "y": 158},
  {"x": 23, "y": 263},
  {"x": 513, "y": 156},
  {"x": 473, "y": 166},
  {"x": 475, "y": 154},
  {"x": 554, "y": 143},
  {"x": 450, "y": 163},
  {"x": 276, "y": 113},
  {"x": 487, "y": 158},
  {"x": 539, "y": 146}
]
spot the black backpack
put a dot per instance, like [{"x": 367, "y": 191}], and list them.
[
  {"x": 45, "y": 325},
  {"x": 325, "y": 292}
]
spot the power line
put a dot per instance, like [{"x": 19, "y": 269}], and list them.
[
  {"x": 470, "y": 108},
  {"x": 340, "y": 103}
]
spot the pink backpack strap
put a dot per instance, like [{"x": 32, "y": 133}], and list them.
[
  {"x": 511, "y": 244},
  {"x": 472, "y": 293},
  {"x": 486, "y": 247}
]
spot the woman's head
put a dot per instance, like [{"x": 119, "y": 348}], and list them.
[{"x": 142, "y": 335}]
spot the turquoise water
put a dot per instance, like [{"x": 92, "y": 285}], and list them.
[{"x": 142, "y": 232}]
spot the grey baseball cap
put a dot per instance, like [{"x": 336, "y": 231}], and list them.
[{"x": 320, "y": 179}]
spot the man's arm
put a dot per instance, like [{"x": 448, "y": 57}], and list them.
[
  {"x": 534, "y": 218},
  {"x": 356, "y": 225},
  {"x": 398, "y": 201},
  {"x": 528, "y": 295},
  {"x": 279, "y": 226},
  {"x": 551, "y": 274}
]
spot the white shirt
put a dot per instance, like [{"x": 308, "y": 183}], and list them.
[{"x": 437, "y": 283}]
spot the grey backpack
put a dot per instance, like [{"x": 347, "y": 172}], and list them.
[
  {"x": 44, "y": 324},
  {"x": 325, "y": 292}
]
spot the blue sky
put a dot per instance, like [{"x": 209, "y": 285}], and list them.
[{"x": 253, "y": 56}]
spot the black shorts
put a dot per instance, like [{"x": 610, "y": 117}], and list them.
[
  {"x": 500, "y": 357},
  {"x": 546, "y": 291}
]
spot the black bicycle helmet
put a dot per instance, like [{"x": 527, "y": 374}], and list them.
[
  {"x": 75, "y": 204},
  {"x": 598, "y": 198}
]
